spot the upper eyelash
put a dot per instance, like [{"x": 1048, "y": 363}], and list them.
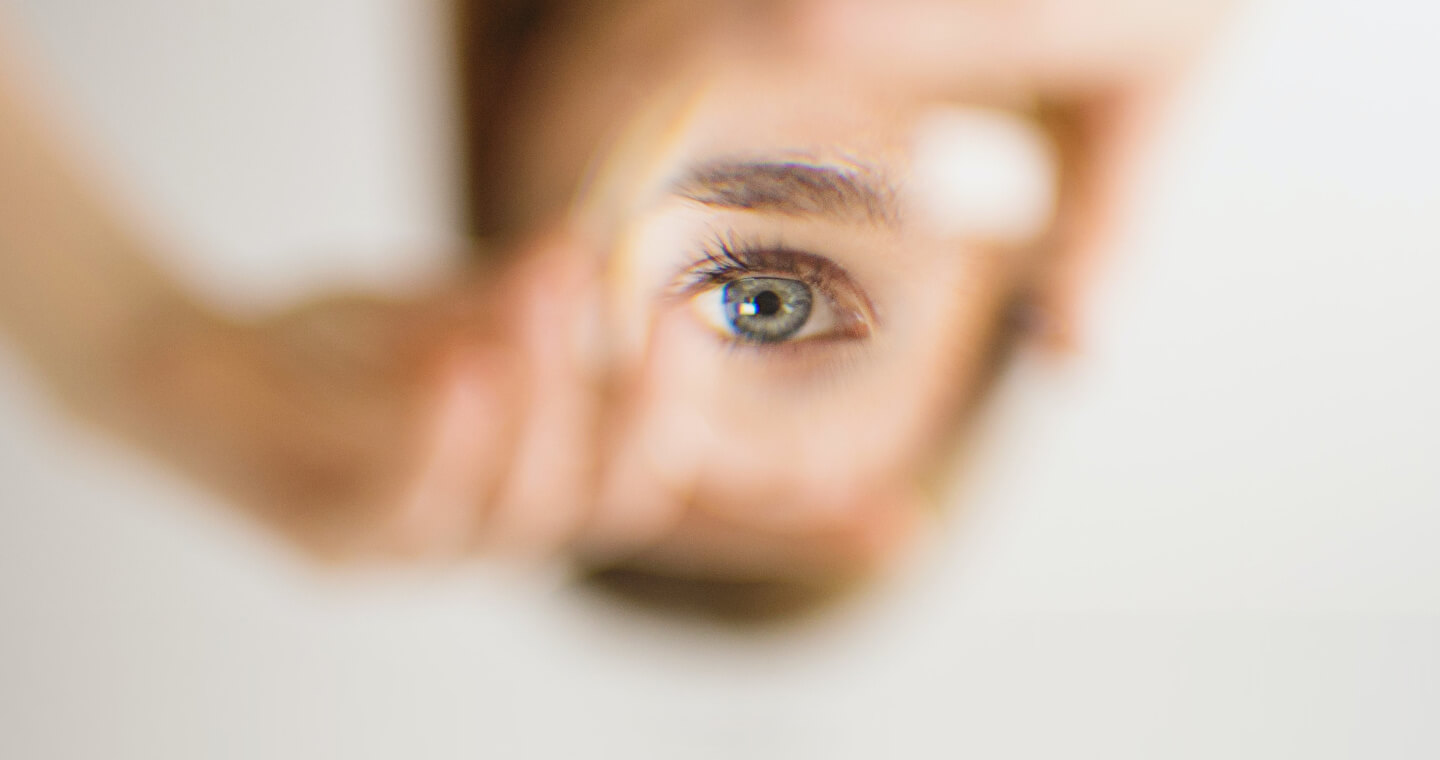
[{"x": 725, "y": 258}]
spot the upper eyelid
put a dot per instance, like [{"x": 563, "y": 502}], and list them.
[{"x": 725, "y": 255}]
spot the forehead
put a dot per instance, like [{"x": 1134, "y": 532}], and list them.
[{"x": 798, "y": 111}]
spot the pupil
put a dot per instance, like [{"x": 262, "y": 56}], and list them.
[{"x": 767, "y": 304}]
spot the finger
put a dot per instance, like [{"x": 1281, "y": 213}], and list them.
[
  {"x": 654, "y": 451},
  {"x": 1049, "y": 47},
  {"x": 542, "y": 501},
  {"x": 464, "y": 450}
]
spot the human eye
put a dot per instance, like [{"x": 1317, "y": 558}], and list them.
[{"x": 764, "y": 295}]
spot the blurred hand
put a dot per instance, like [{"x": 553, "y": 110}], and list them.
[
  {"x": 618, "y": 83},
  {"x": 359, "y": 428}
]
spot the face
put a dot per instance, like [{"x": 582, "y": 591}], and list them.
[{"x": 804, "y": 284}]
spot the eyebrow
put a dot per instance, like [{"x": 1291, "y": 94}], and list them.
[{"x": 791, "y": 187}]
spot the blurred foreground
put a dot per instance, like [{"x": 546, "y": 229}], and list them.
[{"x": 1212, "y": 535}]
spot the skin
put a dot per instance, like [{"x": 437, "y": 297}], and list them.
[{"x": 566, "y": 401}]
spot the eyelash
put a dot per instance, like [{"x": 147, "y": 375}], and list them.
[{"x": 726, "y": 257}]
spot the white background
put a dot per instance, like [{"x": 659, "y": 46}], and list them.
[{"x": 1213, "y": 536}]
